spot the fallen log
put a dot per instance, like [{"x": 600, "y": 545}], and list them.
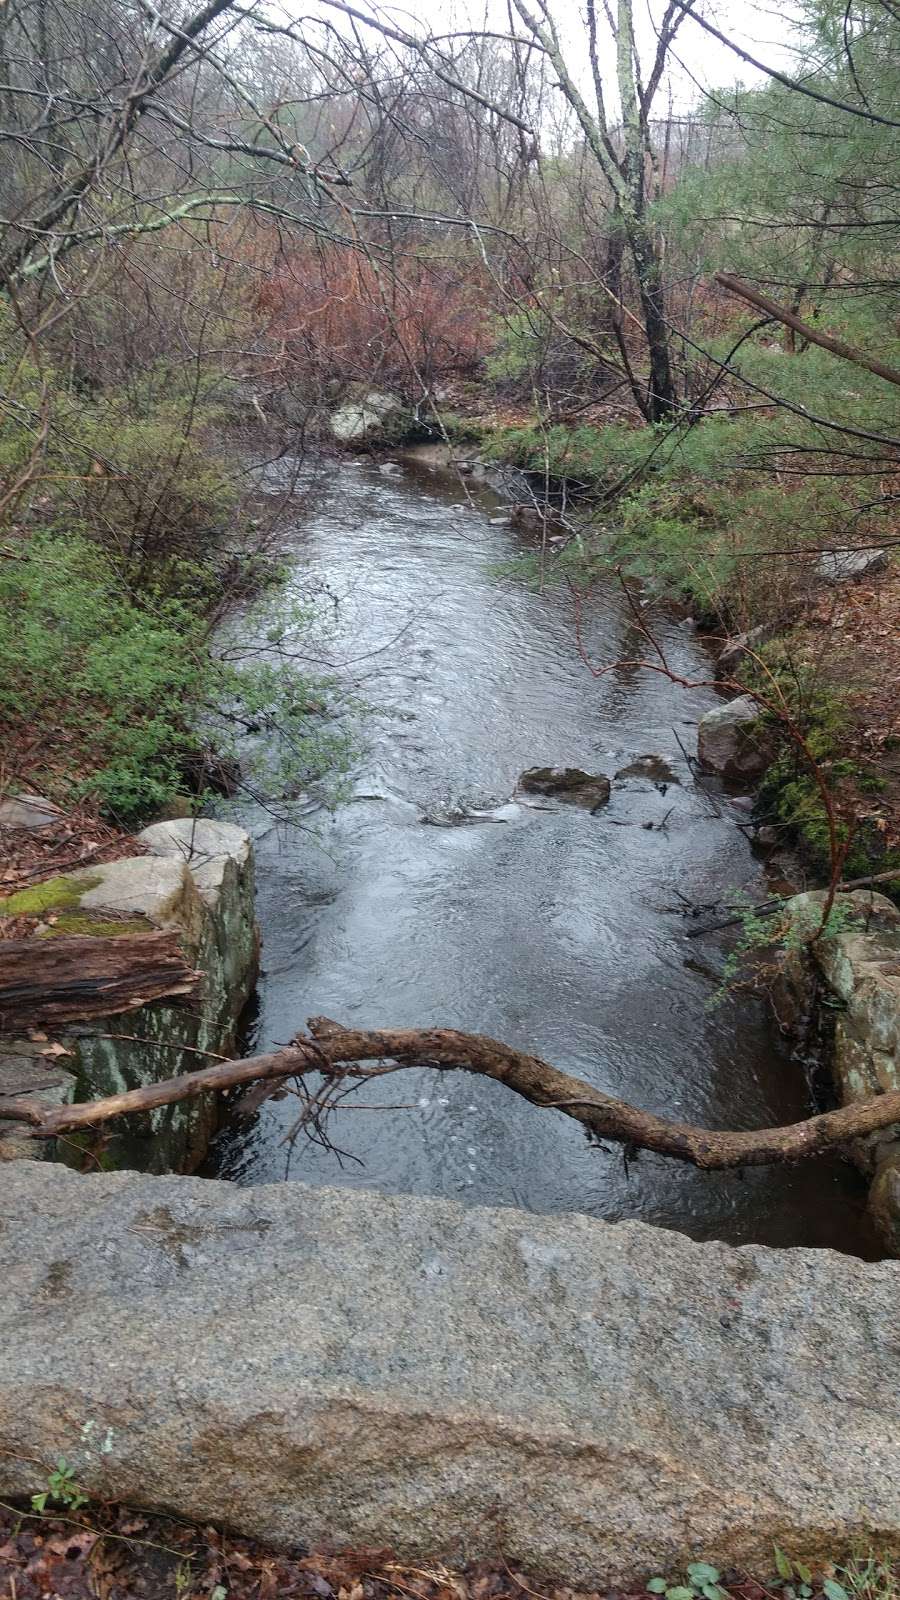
[
  {"x": 827, "y": 341},
  {"x": 53, "y": 981},
  {"x": 333, "y": 1049}
]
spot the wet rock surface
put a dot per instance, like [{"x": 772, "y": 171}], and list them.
[
  {"x": 884, "y": 1198},
  {"x": 568, "y": 784},
  {"x": 731, "y": 743},
  {"x": 650, "y": 769},
  {"x": 309, "y": 1363}
]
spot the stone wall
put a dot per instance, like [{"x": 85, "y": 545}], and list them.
[
  {"x": 197, "y": 878},
  {"x": 859, "y": 966}
]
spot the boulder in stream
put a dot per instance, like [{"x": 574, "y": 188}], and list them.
[
  {"x": 731, "y": 742},
  {"x": 372, "y": 417},
  {"x": 569, "y": 784},
  {"x": 653, "y": 768}
]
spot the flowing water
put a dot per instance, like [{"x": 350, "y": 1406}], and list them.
[{"x": 558, "y": 931}]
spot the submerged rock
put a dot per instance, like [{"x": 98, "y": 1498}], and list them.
[
  {"x": 569, "y": 784},
  {"x": 319, "y": 1364},
  {"x": 652, "y": 767},
  {"x": 463, "y": 816},
  {"x": 732, "y": 743}
]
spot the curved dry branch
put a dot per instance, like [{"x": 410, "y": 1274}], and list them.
[{"x": 333, "y": 1048}]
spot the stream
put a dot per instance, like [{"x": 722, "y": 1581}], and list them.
[{"x": 555, "y": 930}]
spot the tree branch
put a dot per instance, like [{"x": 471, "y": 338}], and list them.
[
  {"x": 333, "y": 1047},
  {"x": 825, "y": 340},
  {"x": 780, "y": 77}
]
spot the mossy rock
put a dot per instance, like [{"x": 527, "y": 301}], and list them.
[
  {"x": 54, "y": 894},
  {"x": 70, "y": 923}
]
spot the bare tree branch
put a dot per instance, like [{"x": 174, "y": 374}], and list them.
[
  {"x": 332, "y": 1047},
  {"x": 827, "y": 341}
]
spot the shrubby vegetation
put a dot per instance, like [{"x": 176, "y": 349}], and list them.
[
  {"x": 125, "y": 689},
  {"x": 128, "y": 547}
]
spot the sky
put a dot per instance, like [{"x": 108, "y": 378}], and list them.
[{"x": 699, "y": 62}]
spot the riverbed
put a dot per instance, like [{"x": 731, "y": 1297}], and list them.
[{"x": 556, "y": 930}]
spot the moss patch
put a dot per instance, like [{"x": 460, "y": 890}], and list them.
[
  {"x": 77, "y": 922},
  {"x": 55, "y": 894}
]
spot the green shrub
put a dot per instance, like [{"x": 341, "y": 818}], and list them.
[{"x": 125, "y": 691}]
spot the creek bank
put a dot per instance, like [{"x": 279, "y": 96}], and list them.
[
  {"x": 853, "y": 974},
  {"x": 590, "y": 1399},
  {"x": 195, "y": 879}
]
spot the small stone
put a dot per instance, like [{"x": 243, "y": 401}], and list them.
[{"x": 30, "y": 811}]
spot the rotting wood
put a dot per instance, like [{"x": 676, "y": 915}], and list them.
[
  {"x": 73, "y": 978},
  {"x": 332, "y": 1048}
]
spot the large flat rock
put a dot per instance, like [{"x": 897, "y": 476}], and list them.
[{"x": 312, "y": 1364}]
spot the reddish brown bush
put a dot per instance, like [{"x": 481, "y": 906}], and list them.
[{"x": 333, "y": 314}]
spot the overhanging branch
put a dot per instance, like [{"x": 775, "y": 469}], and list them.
[{"x": 332, "y": 1047}]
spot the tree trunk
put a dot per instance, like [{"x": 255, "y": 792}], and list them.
[{"x": 663, "y": 397}]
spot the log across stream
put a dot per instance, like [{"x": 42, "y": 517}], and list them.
[{"x": 555, "y": 930}]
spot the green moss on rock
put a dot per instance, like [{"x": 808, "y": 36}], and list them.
[
  {"x": 55, "y": 894},
  {"x": 78, "y": 922}
]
